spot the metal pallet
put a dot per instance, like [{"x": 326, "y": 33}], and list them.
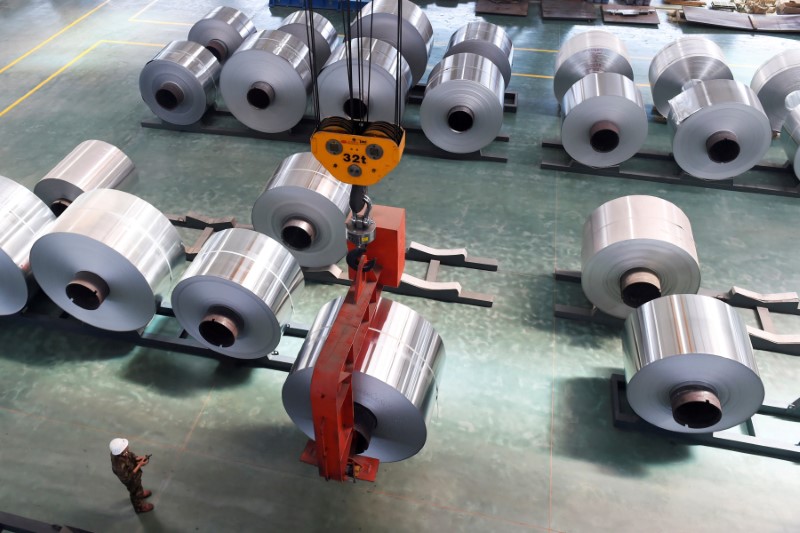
[{"x": 785, "y": 182}]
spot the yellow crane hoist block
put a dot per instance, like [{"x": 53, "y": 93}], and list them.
[{"x": 358, "y": 153}]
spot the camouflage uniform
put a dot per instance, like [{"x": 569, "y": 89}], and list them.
[{"x": 123, "y": 466}]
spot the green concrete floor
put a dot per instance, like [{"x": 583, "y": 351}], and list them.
[{"x": 521, "y": 437}]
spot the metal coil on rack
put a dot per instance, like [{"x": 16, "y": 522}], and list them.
[
  {"x": 374, "y": 81},
  {"x": 790, "y": 139},
  {"x": 90, "y": 165},
  {"x": 487, "y": 40},
  {"x": 635, "y": 249},
  {"x": 682, "y": 62},
  {"x": 689, "y": 365},
  {"x": 23, "y": 217},
  {"x": 719, "y": 129},
  {"x": 108, "y": 260},
  {"x": 305, "y": 208},
  {"x": 378, "y": 20},
  {"x": 222, "y": 31},
  {"x": 395, "y": 381},
  {"x": 325, "y": 35},
  {"x": 586, "y": 53},
  {"x": 267, "y": 81},
  {"x": 604, "y": 121},
  {"x": 775, "y": 81},
  {"x": 238, "y": 293},
  {"x": 179, "y": 83},
  {"x": 462, "y": 110}
]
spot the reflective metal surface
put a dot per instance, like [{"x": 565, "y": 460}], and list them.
[
  {"x": 682, "y": 61},
  {"x": 91, "y": 165},
  {"x": 325, "y": 36},
  {"x": 245, "y": 272},
  {"x": 378, "y": 20},
  {"x": 776, "y": 79},
  {"x": 487, "y": 40},
  {"x": 596, "y": 99},
  {"x": 179, "y": 83},
  {"x": 302, "y": 189},
  {"x": 689, "y": 340},
  {"x": 708, "y": 108},
  {"x": 23, "y": 217},
  {"x": 462, "y": 110},
  {"x": 279, "y": 60},
  {"x": 790, "y": 139},
  {"x": 588, "y": 52},
  {"x": 122, "y": 240},
  {"x": 222, "y": 31},
  {"x": 636, "y": 232},
  {"x": 397, "y": 377},
  {"x": 374, "y": 80}
]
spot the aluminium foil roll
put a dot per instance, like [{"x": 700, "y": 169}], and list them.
[
  {"x": 90, "y": 165},
  {"x": 588, "y": 52},
  {"x": 790, "y": 139},
  {"x": 238, "y": 293},
  {"x": 305, "y": 208},
  {"x": 462, "y": 110},
  {"x": 604, "y": 120},
  {"x": 23, "y": 217},
  {"x": 378, "y": 20},
  {"x": 179, "y": 84},
  {"x": 719, "y": 129},
  {"x": 124, "y": 246},
  {"x": 684, "y": 340},
  {"x": 222, "y": 31},
  {"x": 680, "y": 63},
  {"x": 487, "y": 40},
  {"x": 373, "y": 79},
  {"x": 633, "y": 233},
  {"x": 267, "y": 81},
  {"x": 774, "y": 81},
  {"x": 325, "y": 36},
  {"x": 397, "y": 377}
]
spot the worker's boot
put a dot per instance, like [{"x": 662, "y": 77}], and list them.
[
  {"x": 147, "y": 493},
  {"x": 144, "y": 508}
]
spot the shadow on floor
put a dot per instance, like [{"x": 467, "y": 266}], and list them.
[
  {"x": 583, "y": 430},
  {"x": 39, "y": 347},
  {"x": 180, "y": 375}
]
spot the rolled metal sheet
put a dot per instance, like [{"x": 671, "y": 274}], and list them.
[
  {"x": 790, "y": 139},
  {"x": 684, "y": 342},
  {"x": 238, "y": 293},
  {"x": 267, "y": 81},
  {"x": 719, "y": 129},
  {"x": 108, "y": 260},
  {"x": 305, "y": 208},
  {"x": 179, "y": 83},
  {"x": 373, "y": 88},
  {"x": 90, "y": 165},
  {"x": 604, "y": 120},
  {"x": 462, "y": 110},
  {"x": 23, "y": 217},
  {"x": 325, "y": 36},
  {"x": 774, "y": 81},
  {"x": 378, "y": 20},
  {"x": 222, "y": 31},
  {"x": 396, "y": 379},
  {"x": 636, "y": 233},
  {"x": 487, "y": 40},
  {"x": 588, "y": 52},
  {"x": 679, "y": 63}
]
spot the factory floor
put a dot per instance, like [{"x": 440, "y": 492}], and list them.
[{"x": 521, "y": 435}]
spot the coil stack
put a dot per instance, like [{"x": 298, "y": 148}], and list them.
[{"x": 603, "y": 118}]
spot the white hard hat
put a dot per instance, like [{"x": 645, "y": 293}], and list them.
[{"x": 117, "y": 446}]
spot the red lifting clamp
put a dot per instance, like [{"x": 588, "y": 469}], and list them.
[{"x": 338, "y": 441}]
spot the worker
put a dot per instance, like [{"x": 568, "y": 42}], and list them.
[{"x": 128, "y": 468}]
